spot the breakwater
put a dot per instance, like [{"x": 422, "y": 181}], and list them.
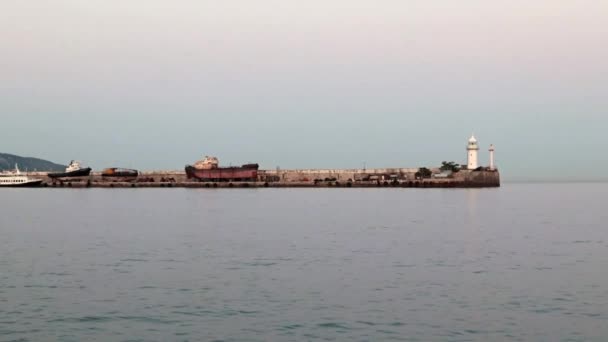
[{"x": 336, "y": 178}]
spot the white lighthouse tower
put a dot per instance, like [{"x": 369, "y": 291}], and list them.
[
  {"x": 492, "y": 166},
  {"x": 472, "y": 150}
]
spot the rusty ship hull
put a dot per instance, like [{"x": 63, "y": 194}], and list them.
[
  {"x": 248, "y": 172},
  {"x": 119, "y": 172}
]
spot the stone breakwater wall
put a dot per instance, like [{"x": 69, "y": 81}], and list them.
[
  {"x": 472, "y": 179},
  {"x": 393, "y": 177},
  {"x": 340, "y": 175},
  {"x": 380, "y": 177}
]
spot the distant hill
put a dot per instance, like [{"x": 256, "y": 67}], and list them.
[{"x": 7, "y": 162}]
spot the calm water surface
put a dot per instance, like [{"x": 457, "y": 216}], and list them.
[{"x": 526, "y": 262}]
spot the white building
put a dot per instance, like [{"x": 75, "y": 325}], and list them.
[
  {"x": 473, "y": 151},
  {"x": 492, "y": 149}
]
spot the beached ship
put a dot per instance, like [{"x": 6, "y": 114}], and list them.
[
  {"x": 73, "y": 170},
  {"x": 119, "y": 172},
  {"x": 16, "y": 179},
  {"x": 208, "y": 170}
]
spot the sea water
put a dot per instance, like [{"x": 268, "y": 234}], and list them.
[{"x": 525, "y": 262}]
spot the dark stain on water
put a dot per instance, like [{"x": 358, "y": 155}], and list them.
[{"x": 519, "y": 263}]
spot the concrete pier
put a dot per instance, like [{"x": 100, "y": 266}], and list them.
[{"x": 331, "y": 178}]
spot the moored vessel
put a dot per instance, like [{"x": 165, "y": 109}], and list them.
[
  {"x": 16, "y": 179},
  {"x": 73, "y": 170},
  {"x": 119, "y": 172},
  {"x": 208, "y": 170}
]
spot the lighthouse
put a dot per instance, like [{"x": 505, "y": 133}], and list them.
[
  {"x": 472, "y": 150},
  {"x": 492, "y": 167}
]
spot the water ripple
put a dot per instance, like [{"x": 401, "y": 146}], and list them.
[{"x": 519, "y": 264}]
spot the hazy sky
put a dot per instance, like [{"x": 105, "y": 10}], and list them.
[{"x": 318, "y": 83}]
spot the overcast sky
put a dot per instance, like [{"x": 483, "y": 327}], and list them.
[{"x": 157, "y": 84}]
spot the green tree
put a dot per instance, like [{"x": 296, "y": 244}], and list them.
[
  {"x": 423, "y": 172},
  {"x": 449, "y": 166}
]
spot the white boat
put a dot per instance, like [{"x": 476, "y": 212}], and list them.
[{"x": 16, "y": 179}]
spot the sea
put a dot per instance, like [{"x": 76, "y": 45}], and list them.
[{"x": 524, "y": 262}]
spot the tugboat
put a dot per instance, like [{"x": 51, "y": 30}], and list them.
[
  {"x": 16, "y": 179},
  {"x": 73, "y": 170}
]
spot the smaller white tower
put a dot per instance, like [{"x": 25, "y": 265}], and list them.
[
  {"x": 491, "y": 157},
  {"x": 472, "y": 150}
]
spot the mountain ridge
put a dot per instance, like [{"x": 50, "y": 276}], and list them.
[{"x": 8, "y": 161}]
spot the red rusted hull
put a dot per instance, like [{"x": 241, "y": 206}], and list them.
[{"x": 224, "y": 174}]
